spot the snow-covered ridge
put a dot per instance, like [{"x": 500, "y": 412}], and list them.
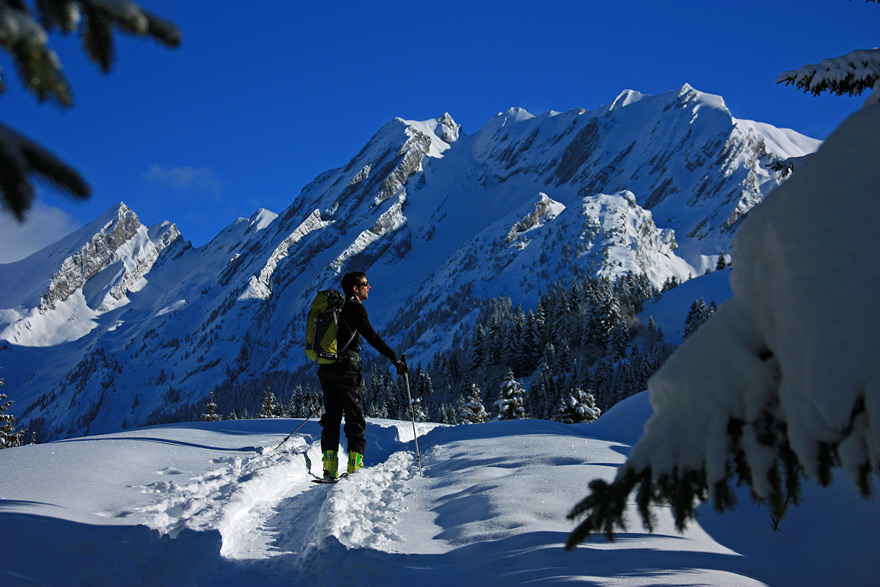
[
  {"x": 546, "y": 210},
  {"x": 120, "y": 226},
  {"x": 259, "y": 286},
  {"x": 110, "y": 259}
]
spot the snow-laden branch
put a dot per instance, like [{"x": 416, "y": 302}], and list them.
[{"x": 849, "y": 74}]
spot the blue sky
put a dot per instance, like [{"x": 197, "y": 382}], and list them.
[{"x": 260, "y": 99}]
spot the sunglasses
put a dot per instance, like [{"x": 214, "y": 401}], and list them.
[{"x": 364, "y": 284}]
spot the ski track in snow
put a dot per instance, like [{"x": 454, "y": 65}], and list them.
[
  {"x": 363, "y": 511},
  {"x": 238, "y": 498},
  {"x": 271, "y": 517}
]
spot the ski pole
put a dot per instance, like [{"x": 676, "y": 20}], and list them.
[
  {"x": 412, "y": 414},
  {"x": 297, "y": 429}
]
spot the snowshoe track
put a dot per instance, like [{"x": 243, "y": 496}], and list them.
[{"x": 265, "y": 506}]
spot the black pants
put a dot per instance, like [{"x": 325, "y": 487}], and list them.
[{"x": 342, "y": 383}]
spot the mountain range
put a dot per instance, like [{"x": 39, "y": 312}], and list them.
[{"x": 119, "y": 321}]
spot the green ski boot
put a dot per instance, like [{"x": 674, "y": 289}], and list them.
[
  {"x": 331, "y": 464},
  {"x": 355, "y": 461}
]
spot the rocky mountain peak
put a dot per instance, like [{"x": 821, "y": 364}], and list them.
[{"x": 100, "y": 241}]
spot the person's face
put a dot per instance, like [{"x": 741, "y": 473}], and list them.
[{"x": 362, "y": 289}]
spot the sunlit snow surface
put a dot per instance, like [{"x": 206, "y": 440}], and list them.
[{"x": 217, "y": 504}]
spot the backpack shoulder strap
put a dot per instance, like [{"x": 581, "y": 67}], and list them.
[{"x": 347, "y": 325}]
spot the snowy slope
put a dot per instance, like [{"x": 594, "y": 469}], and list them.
[
  {"x": 670, "y": 310},
  {"x": 217, "y": 504},
  {"x": 655, "y": 185}
]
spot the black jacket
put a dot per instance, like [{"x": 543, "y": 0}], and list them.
[{"x": 355, "y": 318}]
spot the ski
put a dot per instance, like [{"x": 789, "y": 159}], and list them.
[{"x": 322, "y": 480}]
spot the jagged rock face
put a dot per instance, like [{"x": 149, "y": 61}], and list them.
[
  {"x": 92, "y": 258},
  {"x": 93, "y": 272},
  {"x": 648, "y": 184}
]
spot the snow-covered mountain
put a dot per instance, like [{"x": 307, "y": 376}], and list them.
[{"x": 119, "y": 321}]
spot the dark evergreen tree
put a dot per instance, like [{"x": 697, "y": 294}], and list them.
[
  {"x": 532, "y": 342},
  {"x": 210, "y": 414},
  {"x": 510, "y": 405},
  {"x": 424, "y": 387},
  {"x": 698, "y": 313},
  {"x": 478, "y": 353},
  {"x": 578, "y": 406},
  {"x": 9, "y": 437},
  {"x": 471, "y": 409}
]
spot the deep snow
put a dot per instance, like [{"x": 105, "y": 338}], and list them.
[{"x": 217, "y": 504}]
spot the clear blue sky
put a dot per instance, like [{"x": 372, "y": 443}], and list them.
[{"x": 262, "y": 97}]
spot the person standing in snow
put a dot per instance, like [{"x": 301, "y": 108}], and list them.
[{"x": 342, "y": 381}]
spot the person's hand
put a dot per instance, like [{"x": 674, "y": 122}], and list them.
[{"x": 402, "y": 368}]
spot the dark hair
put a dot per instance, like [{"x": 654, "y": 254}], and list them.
[{"x": 349, "y": 280}]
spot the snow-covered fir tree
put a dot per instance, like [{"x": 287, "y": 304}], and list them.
[
  {"x": 849, "y": 74},
  {"x": 211, "y": 414},
  {"x": 510, "y": 404},
  {"x": 579, "y": 406},
  {"x": 471, "y": 409},
  {"x": 9, "y": 437},
  {"x": 418, "y": 414},
  {"x": 269, "y": 408}
]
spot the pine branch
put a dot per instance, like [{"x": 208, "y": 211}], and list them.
[
  {"x": 97, "y": 38},
  {"x": 130, "y": 18},
  {"x": 849, "y": 74},
  {"x": 26, "y": 40},
  {"x": 20, "y": 158},
  {"x": 162, "y": 30},
  {"x": 63, "y": 13}
]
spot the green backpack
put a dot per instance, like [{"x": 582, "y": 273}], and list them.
[{"x": 322, "y": 345}]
